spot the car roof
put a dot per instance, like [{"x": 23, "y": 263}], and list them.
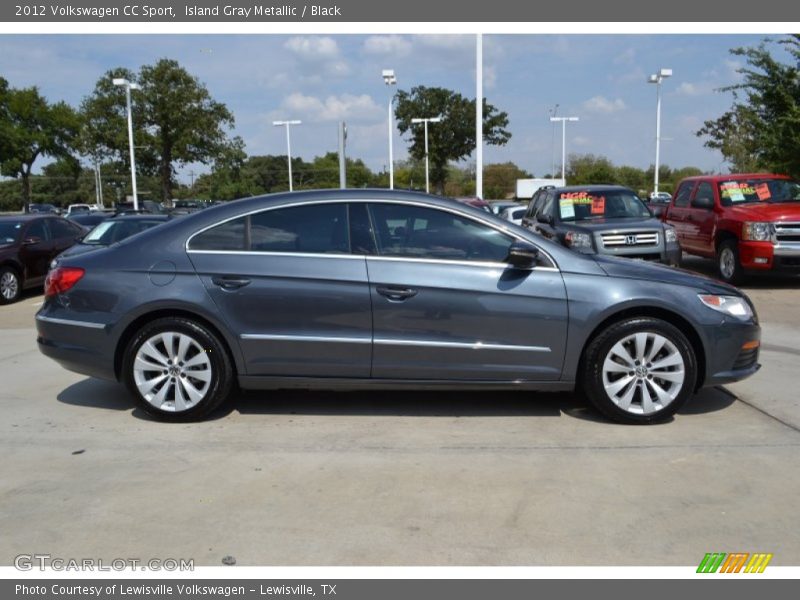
[
  {"x": 139, "y": 217},
  {"x": 28, "y": 217},
  {"x": 736, "y": 177}
]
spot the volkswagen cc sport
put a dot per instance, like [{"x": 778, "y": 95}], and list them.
[{"x": 378, "y": 289}]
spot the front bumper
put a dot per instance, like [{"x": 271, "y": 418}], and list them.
[
  {"x": 733, "y": 351},
  {"x": 767, "y": 256}
]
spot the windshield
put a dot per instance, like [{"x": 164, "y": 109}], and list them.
[
  {"x": 9, "y": 232},
  {"x": 747, "y": 191},
  {"x": 606, "y": 204},
  {"x": 108, "y": 232}
]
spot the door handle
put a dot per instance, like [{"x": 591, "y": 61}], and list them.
[
  {"x": 227, "y": 282},
  {"x": 396, "y": 293}
]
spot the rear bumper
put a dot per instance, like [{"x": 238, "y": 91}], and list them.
[{"x": 80, "y": 346}]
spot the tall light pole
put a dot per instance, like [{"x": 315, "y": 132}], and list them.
[
  {"x": 128, "y": 87},
  {"x": 288, "y": 124},
  {"x": 553, "y": 112},
  {"x": 390, "y": 79},
  {"x": 563, "y": 143},
  {"x": 426, "y": 121},
  {"x": 657, "y": 78},
  {"x": 479, "y": 116}
]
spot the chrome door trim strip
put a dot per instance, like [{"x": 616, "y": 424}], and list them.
[
  {"x": 87, "y": 324},
  {"x": 305, "y": 338},
  {"x": 297, "y": 254},
  {"x": 459, "y": 345}
]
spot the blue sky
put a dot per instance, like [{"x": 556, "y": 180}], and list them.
[{"x": 322, "y": 79}]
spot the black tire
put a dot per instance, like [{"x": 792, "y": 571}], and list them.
[
  {"x": 221, "y": 373},
  {"x": 733, "y": 273},
  {"x": 10, "y": 285},
  {"x": 591, "y": 374}
]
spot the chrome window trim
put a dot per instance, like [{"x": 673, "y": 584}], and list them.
[
  {"x": 87, "y": 324},
  {"x": 270, "y": 253},
  {"x": 453, "y": 210},
  {"x": 305, "y": 338},
  {"x": 459, "y": 345}
]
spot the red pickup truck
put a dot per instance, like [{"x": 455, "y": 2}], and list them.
[{"x": 745, "y": 221}]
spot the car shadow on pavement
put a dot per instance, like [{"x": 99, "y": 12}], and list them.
[{"x": 96, "y": 393}]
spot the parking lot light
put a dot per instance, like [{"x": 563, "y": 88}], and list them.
[
  {"x": 128, "y": 87},
  {"x": 390, "y": 79},
  {"x": 426, "y": 121},
  {"x": 563, "y": 142},
  {"x": 288, "y": 124},
  {"x": 658, "y": 78}
]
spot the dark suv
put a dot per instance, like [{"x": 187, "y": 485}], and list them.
[
  {"x": 602, "y": 219},
  {"x": 27, "y": 245}
]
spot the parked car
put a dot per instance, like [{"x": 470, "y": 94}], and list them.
[
  {"x": 602, "y": 219},
  {"x": 658, "y": 202},
  {"x": 475, "y": 202},
  {"x": 662, "y": 197},
  {"x": 74, "y": 209},
  {"x": 44, "y": 208},
  {"x": 514, "y": 214},
  {"x": 380, "y": 289},
  {"x": 499, "y": 206},
  {"x": 747, "y": 222},
  {"x": 111, "y": 231},
  {"x": 27, "y": 245},
  {"x": 89, "y": 220}
]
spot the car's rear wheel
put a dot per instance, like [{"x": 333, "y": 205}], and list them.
[
  {"x": 640, "y": 370},
  {"x": 177, "y": 369},
  {"x": 10, "y": 285},
  {"x": 728, "y": 263}
]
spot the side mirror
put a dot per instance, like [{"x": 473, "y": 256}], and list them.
[
  {"x": 522, "y": 255},
  {"x": 703, "y": 202},
  {"x": 31, "y": 241},
  {"x": 545, "y": 218}
]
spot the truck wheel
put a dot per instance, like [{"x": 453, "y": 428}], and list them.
[
  {"x": 730, "y": 268},
  {"x": 640, "y": 370}
]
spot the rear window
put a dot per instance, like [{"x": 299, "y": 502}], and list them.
[
  {"x": 606, "y": 204},
  {"x": 751, "y": 191}
]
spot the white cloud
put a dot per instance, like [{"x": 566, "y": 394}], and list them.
[
  {"x": 333, "y": 108},
  {"x": 691, "y": 89},
  {"x": 601, "y": 104},
  {"x": 447, "y": 41},
  {"x": 313, "y": 48},
  {"x": 626, "y": 57},
  {"x": 489, "y": 76},
  {"x": 581, "y": 141},
  {"x": 393, "y": 45}
]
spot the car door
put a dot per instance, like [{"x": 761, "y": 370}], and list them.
[
  {"x": 289, "y": 289},
  {"x": 679, "y": 211},
  {"x": 446, "y": 306},
  {"x": 64, "y": 234},
  {"x": 36, "y": 251},
  {"x": 703, "y": 218}
]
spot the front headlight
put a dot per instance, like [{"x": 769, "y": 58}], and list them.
[
  {"x": 670, "y": 235},
  {"x": 729, "y": 305},
  {"x": 757, "y": 231},
  {"x": 578, "y": 240}
]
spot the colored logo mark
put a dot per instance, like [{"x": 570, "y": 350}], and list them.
[{"x": 736, "y": 562}]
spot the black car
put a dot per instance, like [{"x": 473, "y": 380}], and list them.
[
  {"x": 111, "y": 231},
  {"x": 44, "y": 208},
  {"x": 602, "y": 219},
  {"x": 27, "y": 245}
]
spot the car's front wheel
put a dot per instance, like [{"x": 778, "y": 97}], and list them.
[
  {"x": 728, "y": 263},
  {"x": 10, "y": 285},
  {"x": 177, "y": 369},
  {"x": 640, "y": 370}
]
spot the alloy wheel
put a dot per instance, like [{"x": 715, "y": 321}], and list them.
[{"x": 9, "y": 286}]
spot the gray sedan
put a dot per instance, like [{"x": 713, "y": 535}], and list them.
[{"x": 378, "y": 289}]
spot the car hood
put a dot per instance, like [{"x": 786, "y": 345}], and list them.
[
  {"x": 611, "y": 224},
  {"x": 767, "y": 211},
  {"x": 636, "y": 269}
]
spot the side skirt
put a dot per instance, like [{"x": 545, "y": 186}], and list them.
[{"x": 333, "y": 383}]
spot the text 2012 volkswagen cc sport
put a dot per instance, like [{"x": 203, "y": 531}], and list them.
[{"x": 377, "y": 289}]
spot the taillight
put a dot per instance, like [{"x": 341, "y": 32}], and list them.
[{"x": 61, "y": 279}]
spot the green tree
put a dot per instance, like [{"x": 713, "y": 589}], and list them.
[
  {"x": 589, "y": 169},
  {"x": 176, "y": 121},
  {"x": 454, "y": 138},
  {"x": 762, "y": 128},
  {"x": 500, "y": 179},
  {"x": 33, "y": 128}
]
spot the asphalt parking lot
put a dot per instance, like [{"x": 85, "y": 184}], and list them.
[{"x": 310, "y": 478}]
